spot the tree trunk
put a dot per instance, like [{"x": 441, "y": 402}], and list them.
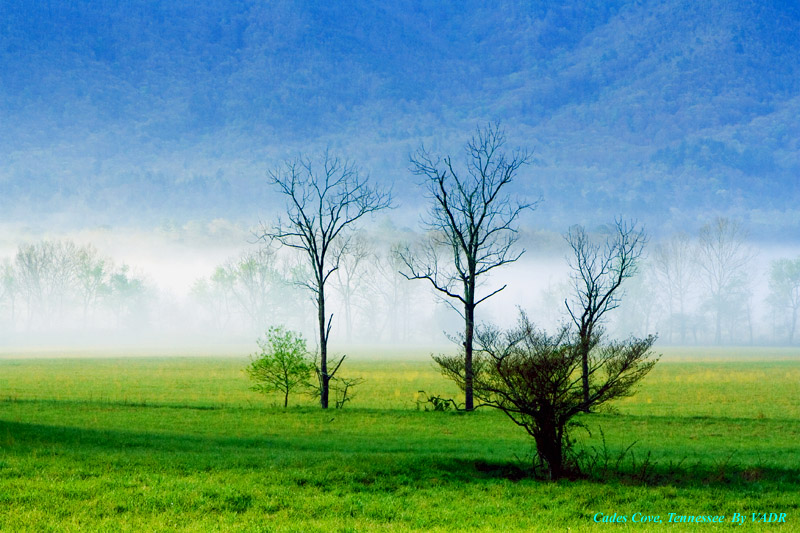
[
  {"x": 585, "y": 340},
  {"x": 469, "y": 331},
  {"x": 286, "y": 383},
  {"x": 548, "y": 447},
  {"x": 323, "y": 349},
  {"x": 469, "y": 315}
]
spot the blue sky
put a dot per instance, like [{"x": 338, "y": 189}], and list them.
[{"x": 170, "y": 113}]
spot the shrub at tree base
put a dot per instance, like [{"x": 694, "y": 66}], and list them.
[
  {"x": 282, "y": 365},
  {"x": 536, "y": 380}
]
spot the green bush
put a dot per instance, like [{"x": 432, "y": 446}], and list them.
[{"x": 282, "y": 365}]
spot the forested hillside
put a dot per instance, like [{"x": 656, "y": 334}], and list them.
[{"x": 660, "y": 110}]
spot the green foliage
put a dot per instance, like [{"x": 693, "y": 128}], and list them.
[{"x": 283, "y": 364}]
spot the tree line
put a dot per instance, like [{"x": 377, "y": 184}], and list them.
[
  {"x": 58, "y": 285},
  {"x": 55, "y": 285},
  {"x": 706, "y": 288}
]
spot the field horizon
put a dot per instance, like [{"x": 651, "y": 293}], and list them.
[{"x": 420, "y": 351}]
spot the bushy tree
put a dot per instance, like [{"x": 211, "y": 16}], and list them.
[
  {"x": 128, "y": 298},
  {"x": 282, "y": 365},
  {"x": 536, "y": 379}
]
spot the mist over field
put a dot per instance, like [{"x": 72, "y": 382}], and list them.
[{"x": 136, "y": 142}]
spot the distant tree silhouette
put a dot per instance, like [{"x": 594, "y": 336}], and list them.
[
  {"x": 723, "y": 258},
  {"x": 674, "y": 265},
  {"x": 784, "y": 287}
]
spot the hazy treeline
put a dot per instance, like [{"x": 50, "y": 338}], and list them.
[
  {"x": 708, "y": 287},
  {"x": 372, "y": 301},
  {"x": 56, "y": 287},
  {"x": 711, "y": 287},
  {"x": 52, "y": 286}
]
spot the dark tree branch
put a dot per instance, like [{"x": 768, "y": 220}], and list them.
[
  {"x": 323, "y": 205},
  {"x": 597, "y": 277},
  {"x": 473, "y": 217}
]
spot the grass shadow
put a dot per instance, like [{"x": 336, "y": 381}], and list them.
[
  {"x": 697, "y": 475},
  {"x": 360, "y": 461}
]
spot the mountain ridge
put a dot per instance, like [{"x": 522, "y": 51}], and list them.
[{"x": 660, "y": 110}]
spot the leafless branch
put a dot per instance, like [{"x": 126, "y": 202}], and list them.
[{"x": 324, "y": 200}]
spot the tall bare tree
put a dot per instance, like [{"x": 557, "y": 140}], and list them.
[
  {"x": 473, "y": 221},
  {"x": 673, "y": 262},
  {"x": 784, "y": 286},
  {"x": 723, "y": 258},
  {"x": 324, "y": 200},
  {"x": 91, "y": 272},
  {"x": 349, "y": 276},
  {"x": 598, "y": 271}
]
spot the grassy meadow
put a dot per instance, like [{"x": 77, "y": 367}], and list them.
[{"x": 181, "y": 443}]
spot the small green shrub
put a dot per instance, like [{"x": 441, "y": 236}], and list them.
[{"x": 282, "y": 365}]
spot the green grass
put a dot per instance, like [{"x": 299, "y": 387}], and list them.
[{"x": 178, "y": 443}]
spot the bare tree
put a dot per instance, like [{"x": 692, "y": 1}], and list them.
[
  {"x": 324, "y": 202},
  {"x": 255, "y": 280},
  {"x": 673, "y": 262},
  {"x": 723, "y": 258},
  {"x": 8, "y": 278},
  {"x": 46, "y": 279},
  {"x": 784, "y": 286},
  {"x": 91, "y": 272},
  {"x": 354, "y": 255},
  {"x": 473, "y": 219},
  {"x": 533, "y": 378},
  {"x": 597, "y": 275}
]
